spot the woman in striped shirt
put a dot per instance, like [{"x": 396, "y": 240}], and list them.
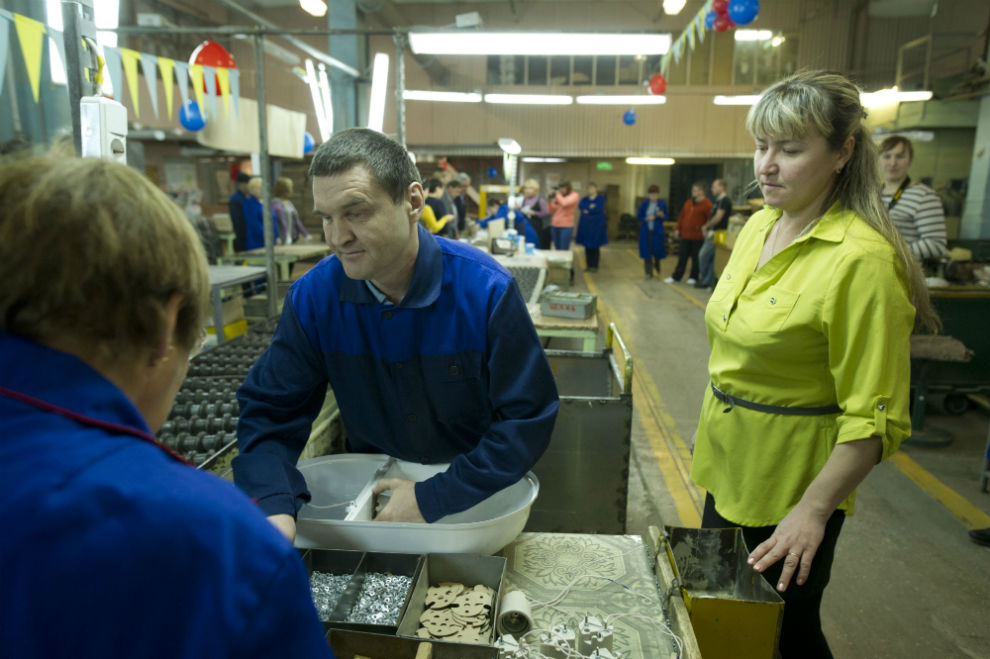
[{"x": 914, "y": 207}]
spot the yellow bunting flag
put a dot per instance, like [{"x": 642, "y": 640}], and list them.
[
  {"x": 196, "y": 73},
  {"x": 165, "y": 65},
  {"x": 690, "y": 35},
  {"x": 31, "y": 35},
  {"x": 223, "y": 76},
  {"x": 130, "y": 60}
]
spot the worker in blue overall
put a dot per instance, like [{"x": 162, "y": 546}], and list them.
[
  {"x": 113, "y": 546},
  {"x": 426, "y": 342}
]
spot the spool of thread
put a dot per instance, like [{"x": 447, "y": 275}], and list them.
[{"x": 516, "y": 617}]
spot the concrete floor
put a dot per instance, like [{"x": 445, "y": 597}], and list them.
[{"x": 907, "y": 580}]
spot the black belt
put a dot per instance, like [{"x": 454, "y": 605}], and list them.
[{"x": 772, "y": 409}]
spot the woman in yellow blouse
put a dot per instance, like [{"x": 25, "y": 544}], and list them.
[{"x": 810, "y": 359}]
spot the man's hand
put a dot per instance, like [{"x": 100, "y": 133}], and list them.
[
  {"x": 402, "y": 505},
  {"x": 286, "y": 524}
]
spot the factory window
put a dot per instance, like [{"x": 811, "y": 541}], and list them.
[
  {"x": 764, "y": 61},
  {"x": 605, "y": 70},
  {"x": 506, "y": 69},
  {"x": 560, "y": 70},
  {"x": 537, "y": 70},
  {"x": 565, "y": 70},
  {"x": 584, "y": 69}
]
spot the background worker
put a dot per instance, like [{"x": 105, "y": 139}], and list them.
[
  {"x": 113, "y": 546},
  {"x": 719, "y": 221},
  {"x": 235, "y": 206},
  {"x": 652, "y": 238},
  {"x": 254, "y": 217},
  {"x": 427, "y": 344},
  {"x": 694, "y": 213},
  {"x": 287, "y": 222},
  {"x": 563, "y": 203},
  {"x": 913, "y": 206},
  {"x": 534, "y": 207},
  {"x": 434, "y": 201},
  {"x": 592, "y": 230}
]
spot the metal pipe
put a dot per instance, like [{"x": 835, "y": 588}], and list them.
[
  {"x": 401, "y": 39},
  {"x": 71, "y": 15},
  {"x": 301, "y": 45},
  {"x": 266, "y": 178}
]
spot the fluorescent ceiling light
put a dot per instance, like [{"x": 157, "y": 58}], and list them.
[
  {"x": 636, "y": 160},
  {"x": 673, "y": 6},
  {"x": 750, "y": 99},
  {"x": 314, "y": 7},
  {"x": 753, "y": 35},
  {"x": 777, "y": 40},
  {"x": 379, "y": 83},
  {"x": 443, "y": 97},
  {"x": 314, "y": 90},
  {"x": 327, "y": 105},
  {"x": 509, "y": 146},
  {"x": 889, "y": 96},
  {"x": 638, "y": 99},
  {"x": 537, "y": 43},
  {"x": 539, "y": 159},
  {"x": 529, "y": 99}
]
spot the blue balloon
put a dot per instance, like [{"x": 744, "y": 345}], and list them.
[
  {"x": 710, "y": 20},
  {"x": 629, "y": 117},
  {"x": 742, "y": 12},
  {"x": 308, "y": 142},
  {"x": 190, "y": 117},
  {"x": 492, "y": 172}
]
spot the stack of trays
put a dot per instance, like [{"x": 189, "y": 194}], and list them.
[{"x": 450, "y": 600}]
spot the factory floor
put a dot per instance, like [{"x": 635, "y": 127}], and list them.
[{"x": 907, "y": 581}]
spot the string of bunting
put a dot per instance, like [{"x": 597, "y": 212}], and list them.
[
  {"x": 208, "y": 81},
  {"x": 718, "y": 15}
]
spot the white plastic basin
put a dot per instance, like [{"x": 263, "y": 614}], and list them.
[{"x": 335, "y": 480}]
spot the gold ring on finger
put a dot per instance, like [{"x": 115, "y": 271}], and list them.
[{"x": 795, "y": 554}]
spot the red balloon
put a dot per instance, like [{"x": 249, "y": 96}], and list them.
[
  {"x": 722, "y": 23},
  {"x": 658, "y": 84},
  {"x": 210, "y": 53},
  {"x": 720, "y": 7}
]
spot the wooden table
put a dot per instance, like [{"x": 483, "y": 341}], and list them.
[
  {"x": 226, "y": 276},
  {"x": 285, "y": 256}
]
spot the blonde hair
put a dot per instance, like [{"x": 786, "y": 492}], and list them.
[
  {"x": 283, "y": 187},
  {"x": 829, "y": 103},
  {"x": 91, "y": 251},
  {"x": 531, "y": 184}
]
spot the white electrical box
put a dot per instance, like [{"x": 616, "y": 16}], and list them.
[{"x": 104, "y": 128}]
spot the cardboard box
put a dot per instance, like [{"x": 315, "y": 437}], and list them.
[{"x": 233, "y": 310}]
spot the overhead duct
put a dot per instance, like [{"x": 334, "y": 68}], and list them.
[{"x": 391, "y": 16}]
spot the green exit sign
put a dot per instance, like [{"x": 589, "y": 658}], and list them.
[{"x": 605, "y": 166}]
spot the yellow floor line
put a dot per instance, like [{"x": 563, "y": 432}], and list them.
[
  {"x": 955, "y": 503},
  {"x": 692, "y": 299},
  {"x": 669, "y": 449}
]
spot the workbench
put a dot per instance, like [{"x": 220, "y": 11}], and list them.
[
  {"x": 227, "y": 276},
  {"x": 285, "y": 256},
  {"x": 623, "y": 588}
]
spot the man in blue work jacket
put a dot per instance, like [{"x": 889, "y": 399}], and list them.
[{"x": 426, "y": 342}]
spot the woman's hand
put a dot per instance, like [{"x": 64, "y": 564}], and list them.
[{"x": 796, "y": 540}]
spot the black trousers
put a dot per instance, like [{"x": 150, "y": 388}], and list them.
[
  {"x": 591, "y": 255},
  {"x": 688, "y": 249},
  {"x": 801, "y": 632}
]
